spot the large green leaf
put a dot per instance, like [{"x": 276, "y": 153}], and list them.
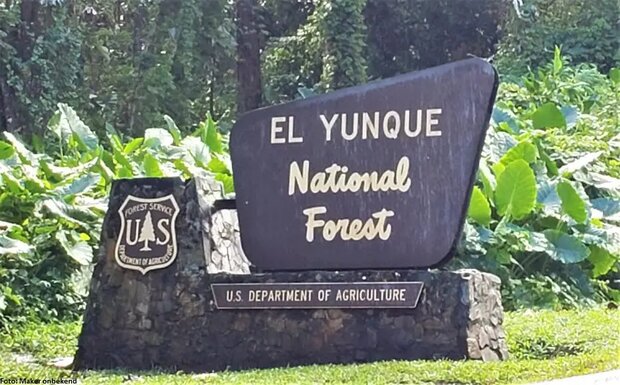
[
  {"x": 76, "y": 214},
  {"x": 6, "y": 150},
  {"x": 524, "y": 150},
  {"x": 157, "y": 137},
  {"x": 77, "y": 249},
  {"x": 605, "y": 183},
  {"x": 151, "y": 166},
  {"x": 479, "y": 209},
  {"x": 504, "y": 115},
  {"x": 572, "y": 204},
  {"x": 607, "y": 208},
  {"x": 487, "y": 178},
  {"x": 579, "y": 163},
  {"x": 13, "y": 246},
  {"x": 133, "y": 145},
  {"x": 227, "y": 182},
  {"x": 25, "y": 155},
  {"x": 219, "y": 164},
  {"x": 79, "y": 185},
  {"x": 602, "y": 261},
  {"x": 197, "y": 149},
  {"x": 70, "y": 122},
  {"x": 515, "y": 195},
  {"x": 548, "y": 115},
  {"x": 496, "y": 144},
  {"x": 173, "y": 129},
  {"x": 213, "y": 138},
  {"x": 536, "y": 242},
  {"x": 566, "y": 248}
]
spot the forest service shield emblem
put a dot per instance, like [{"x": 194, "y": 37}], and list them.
[{"x": 147, "y": 240}]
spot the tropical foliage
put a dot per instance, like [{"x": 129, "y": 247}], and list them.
[
  {"x": 53, "y": 202},
  {"x": 545, "y": 213}
]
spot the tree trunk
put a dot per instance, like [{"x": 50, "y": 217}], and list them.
[
  {"x": 22, "y": 38},
  {"x": 9, "y": 118},
  {"x": 249, "y": 93},
  {"x": 29, "y": 28}
]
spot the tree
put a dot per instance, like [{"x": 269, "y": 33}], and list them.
[
  {"x": 343, "y": 34},
  {"x": 147, "y": 232},
  {"x": 249, "y": 93}
]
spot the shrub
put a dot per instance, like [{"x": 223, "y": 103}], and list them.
[
  {"x": 52, "y": 205},
  {"x": 544, "y": 214},
  {"x": 587, "y": 31}
]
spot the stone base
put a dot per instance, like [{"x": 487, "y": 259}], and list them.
[
  {"x": 167, "y": 318},
  {"x": 459, "y": 316}
]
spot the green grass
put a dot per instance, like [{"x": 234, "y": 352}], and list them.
[{"x": 543, "y": 345}]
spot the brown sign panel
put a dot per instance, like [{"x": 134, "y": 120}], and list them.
[
  {"x": 374, "y": 176},
  {"x": 316, "y": 295},
  {"x": 147, "y": 239}
]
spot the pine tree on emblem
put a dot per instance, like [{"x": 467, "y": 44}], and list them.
[{"x": 147, "y": 233}]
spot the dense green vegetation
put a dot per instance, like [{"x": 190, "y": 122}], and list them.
[
  {"x": 91, "y": 91},
  {"x": 53, "y": 203},
  {"x": 127, "y": 63},
  {"x": 543, "y": 344},
  {"x": 544, "y": 214}
]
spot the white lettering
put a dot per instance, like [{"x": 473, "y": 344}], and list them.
[
  {"x": 275, "y": 129},
  {"x": 328, "y": 126},
  {"x": 430, "y": 122}
]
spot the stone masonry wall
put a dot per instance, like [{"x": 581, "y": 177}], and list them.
[{"x": 167, "y": 318}]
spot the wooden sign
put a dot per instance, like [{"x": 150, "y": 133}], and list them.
[
  {"x": 374, "y": 176},
  {"x": 316, "y": 295}
]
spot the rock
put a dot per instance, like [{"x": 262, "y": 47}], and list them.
[{"x": 61, "y": 363}]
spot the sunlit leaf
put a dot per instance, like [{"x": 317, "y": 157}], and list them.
[
  {"x": 579, "y": 163},
  {"x": 219, "y": 165},
  {"x": 515, "y": 195},
  {"x": 614, "y": 75},
  {"x": 70, "y": 122},
  {"x": 79, "y": 185},
  {"x": 213, "y": 138},
  {"x": 479, "y": 209},
  {"x": 6, "y": 150},
  {"x": 602, "y": 261},
  {"x": 133, "y": 145},
  {"x": 227, "y": 181},
  {"x": 173, "y": 129},
  {"x": 487, "y": 178},
  {"x": 13, "y": 246},
  {"x": 157, "y": 137},
  {"x": 572, "y": 204},
  {"x": 151, "y": 166},
  {"x": 605, "y": 183},
  {"x": 524, "y": 150},
  {"x": 25, "y": 155},
  {"x": 78, "y": 250},
  {"x": 197, "y": 149},
  {"x": 547, "y": 116}
]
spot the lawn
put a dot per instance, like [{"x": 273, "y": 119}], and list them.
[{"x": 543, "y": 345}]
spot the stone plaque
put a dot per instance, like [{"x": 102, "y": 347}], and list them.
[
  {"x": 316, "y": 295},
  {"x": 374, "y": 176},
  {"x": 147, "y": 238}
]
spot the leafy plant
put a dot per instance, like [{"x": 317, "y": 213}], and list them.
[
  {"x": 544, "y": 213},
  {"x": 52, "y": 205}
]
